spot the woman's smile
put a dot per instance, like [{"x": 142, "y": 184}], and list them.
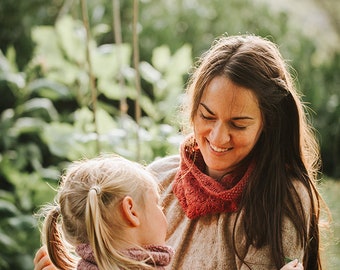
[{"x": 219, "y": 149}]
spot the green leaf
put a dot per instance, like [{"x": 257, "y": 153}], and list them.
[
  {"x": 15, "y": 80},
  {"x": 181, "y": 60},
  {"x": 109, "y": 59},
  {"x": 161, "y": 57},
  {"x": 105, "y": 121},
  {"x": 26, "y": 125},
  {"x": 65, "y": 141},
  {"x": 7, "y": 209},
  {"x": 72, "y": 37},
  {"x": 42, "y": 107},
  {"x": 150, "y": 108},
  {"x": 83, "y": 120},
  {"x": 47, "y": 48},
  {"x": 49, "y": 89},
  {"x": 6, "y": 242},
  {"x": 51, "y": 57},
  {"x": 149, "y": 73},
  {"x": 22, "y": 222},
  {"x": 110, "y": 88},
  {"x": 11, "y": 56}
]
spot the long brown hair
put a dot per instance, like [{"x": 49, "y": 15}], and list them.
[{"x": 286, "y": 154}]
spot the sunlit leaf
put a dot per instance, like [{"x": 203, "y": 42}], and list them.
[
  {"x": 83, "y": 118},
  {"x": 42, "y": 107},
  {"x": 105, "y": 121},
  {"x": 26, "y": 125},
  {"x": 108, "y": 59},
  {"x": 72, "y": 37},
  {"x": 149, "y": 73},
  {"x": 49, "y": 89},
  {"x": 47, "y": 49},
  {"x": 110, "y": 88},
  {"x": 22, "y": 222},
  {"x": 161, "y": 57},
  {"x": 64, "y": 140}
]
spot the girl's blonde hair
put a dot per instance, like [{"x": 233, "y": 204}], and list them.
[{"x": 86, "y": 211}]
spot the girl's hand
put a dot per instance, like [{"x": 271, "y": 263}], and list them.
[
  {"x": 293, "y": 265},
  {"x": 42, "y": 260}
]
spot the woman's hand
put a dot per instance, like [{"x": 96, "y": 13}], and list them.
[
  {"x": 293, "y": 265},
  {"x": 42, "y": 260}
]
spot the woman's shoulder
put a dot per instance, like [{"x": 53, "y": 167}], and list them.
[
  {"x": 302, "y": 190},
  {"x": 305, "y": 197},
  {"x": 164, "y": 167}
]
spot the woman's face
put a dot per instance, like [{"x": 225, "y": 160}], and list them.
[{"x": 227, "y": 125}]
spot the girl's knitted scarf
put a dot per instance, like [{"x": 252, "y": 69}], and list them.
[
  {"x": 198, "y": 193},
  {"x": 157, "y": 256}
]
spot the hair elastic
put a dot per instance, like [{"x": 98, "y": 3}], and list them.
[{"x": 97, "y": 189}]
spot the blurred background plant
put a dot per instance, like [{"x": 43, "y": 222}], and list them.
[{"x": 68, "y": 88}]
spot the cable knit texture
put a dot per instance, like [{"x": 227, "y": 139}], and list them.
[
  {"x": 198, "y": 193},
  {"x": 158, "y": 256}
]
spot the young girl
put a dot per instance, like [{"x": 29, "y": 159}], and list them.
[{"x": 107, "y": 211}]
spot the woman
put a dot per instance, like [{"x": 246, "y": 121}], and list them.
[{"x": 241, "y": 195}]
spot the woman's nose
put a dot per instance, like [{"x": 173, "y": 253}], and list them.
[{"x": 220, "y": 135}]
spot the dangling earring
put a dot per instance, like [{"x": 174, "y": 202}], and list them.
[{"x": 195, "y": 147}]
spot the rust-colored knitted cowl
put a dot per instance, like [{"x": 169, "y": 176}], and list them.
[{"x": 198, "y": 193}]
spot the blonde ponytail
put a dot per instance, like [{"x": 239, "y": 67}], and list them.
[{"x": 54, "y": 242}]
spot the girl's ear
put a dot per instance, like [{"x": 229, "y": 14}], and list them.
[{"x": 130, "y": 213}]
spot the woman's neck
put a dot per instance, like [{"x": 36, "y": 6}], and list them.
[{"x": 217, "y": 174}]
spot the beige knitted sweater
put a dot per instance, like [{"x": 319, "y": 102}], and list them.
[{"x": 206, "y": 242}]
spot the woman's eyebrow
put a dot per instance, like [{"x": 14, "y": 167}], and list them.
[
  {"x": 234, "y": 118},
  {"x": 207, "y": 108}
]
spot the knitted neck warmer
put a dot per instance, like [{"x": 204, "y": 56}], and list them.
[
  {"x": 198, "y": 193},
  {"x": 157, "y": 256}
]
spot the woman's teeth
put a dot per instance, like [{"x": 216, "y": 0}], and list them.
[{"x": 220, "y": 150}]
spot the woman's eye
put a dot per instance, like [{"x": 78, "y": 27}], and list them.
[
  {"x": 238, "y": 126},
  {"x": 206, "y": 117}
]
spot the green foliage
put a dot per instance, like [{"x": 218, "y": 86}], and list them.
[
  {"x": 330, "y": 189},
  {"x": 326, "y": 84},
  {"x": 23, "y": 177},
  {"x": 47, "y": 120},
  {"x": 17, "y": 18}
]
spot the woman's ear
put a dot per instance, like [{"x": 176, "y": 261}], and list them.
[{"x": 130, "y": 213}]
